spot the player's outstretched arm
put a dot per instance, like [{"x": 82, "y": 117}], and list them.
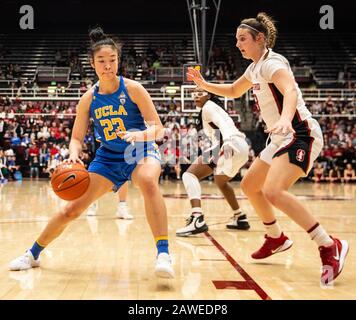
[{"x": 230, "y": 90}]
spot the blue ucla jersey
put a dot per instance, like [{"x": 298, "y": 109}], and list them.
[
  {"x": 96, "y": 135},
  {"x": 116, "y": 159},
  {"x": 115, "y": 111}
]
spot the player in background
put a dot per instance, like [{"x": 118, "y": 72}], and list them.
[
  {"x": 122, "y": 211},
  {"x": 228, "y": 153}
]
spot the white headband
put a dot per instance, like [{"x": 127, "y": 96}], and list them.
[{"x": 246, "y": 25}]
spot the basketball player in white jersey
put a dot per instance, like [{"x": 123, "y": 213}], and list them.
[
  {"x": 295, "y": 141},
  {"x": 224, "y": 159}
]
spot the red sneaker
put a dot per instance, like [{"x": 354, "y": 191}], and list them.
[
  {"x": 272, "y": 246},
  {"x": 333, "y": 259}
]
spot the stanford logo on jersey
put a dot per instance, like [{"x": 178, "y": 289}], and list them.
[
  {"x": 256, "y": 86},
  {"x": 300, "y": 155}
]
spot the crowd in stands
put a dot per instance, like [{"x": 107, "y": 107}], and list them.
[
  {"x": 330, "y": 107},
  {"x": 337, "y": 122},
  {"x": 11, "y": 72},
  {"x": 32, "y": 146},
  {"x": 222, "y": 66}
]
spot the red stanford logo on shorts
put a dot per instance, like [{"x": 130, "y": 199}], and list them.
[{"x": 300, "y": 155}]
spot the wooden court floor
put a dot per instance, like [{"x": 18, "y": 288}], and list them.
[{"x": 101, "y": 257}]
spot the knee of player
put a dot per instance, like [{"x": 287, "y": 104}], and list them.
[
  {"x": 73, "y": 210},
  {"x": 190, "y": 180},
  {"x": 191, "y": 185},
  {"x": 248, "y": 186},
  {"x": 149, "y": 184},
  {"x": 221, "y": 183},
  {"x": 187, "y": 176},
  {"x": 272, "y": 193}
]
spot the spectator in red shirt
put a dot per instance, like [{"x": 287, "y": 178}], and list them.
[
  {"x": 328, "y": 152},
  {"x": 33, "y": 151},
  {"x": 336, "y": 152},
  {"x": 54, "y": 127},
  {"x": 53, "y": 150}
]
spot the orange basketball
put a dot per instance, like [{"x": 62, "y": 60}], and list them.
[{"x": 70, "y": 180}]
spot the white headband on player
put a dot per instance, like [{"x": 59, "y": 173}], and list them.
[
  {"x": 198, "y": 94},
  {"x": 246, "y": 25}
]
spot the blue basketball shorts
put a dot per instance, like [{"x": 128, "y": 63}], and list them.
[{"x": 118, "y": 166}]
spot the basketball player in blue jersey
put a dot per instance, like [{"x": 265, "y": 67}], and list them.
[
  {"x": 120, "y": 108},
  {"x": 122, "y": 210}
]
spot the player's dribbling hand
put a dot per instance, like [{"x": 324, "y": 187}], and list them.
[
  {"x": 281, "y": 127},
  {"x": 73, "y": 159},
  {"x": 195, "y": 76}
]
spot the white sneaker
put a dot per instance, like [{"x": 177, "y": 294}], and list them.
[
  {"x": 195, "y": 224},
  {"x": 239, "y": 222},
  {"x": 122, "y": 213},
  {"x": 91, "y": 211},
  {"x": 163, "y": 267},
  {"x": 24, "y": 262}
]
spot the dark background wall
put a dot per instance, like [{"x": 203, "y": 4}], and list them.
[{"x": 169, "y": 15}]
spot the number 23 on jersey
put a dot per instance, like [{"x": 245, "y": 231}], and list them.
[{"x": 109, "y": 129}]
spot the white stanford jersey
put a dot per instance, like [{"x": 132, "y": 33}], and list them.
[
  {"x": 304, "y": 146},
  {"x": 268, "y": 98},
  {"x": 216, "y": 119}
]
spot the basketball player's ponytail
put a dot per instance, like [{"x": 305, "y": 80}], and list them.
[
  {"x": 99, "y": 39},
  {"x": 262, "y": 23},
  {"x": 268, "y": 23},
  {"x": 97, "y": 34}
]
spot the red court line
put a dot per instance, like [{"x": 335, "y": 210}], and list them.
[{"x": 250, "y": 282}]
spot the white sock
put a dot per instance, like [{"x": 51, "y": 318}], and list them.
[
  {"x": 237, "y": 213},
  {"x": 318, "y": 234},
  {"x": 197, "y": 211},
  {"x": 273, "y": 229},
  {"x": 122, "y": 203},
  {"x": 94, "y": 205}
]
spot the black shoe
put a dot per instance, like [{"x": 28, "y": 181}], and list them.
[{"x": 239, "y": 223}]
